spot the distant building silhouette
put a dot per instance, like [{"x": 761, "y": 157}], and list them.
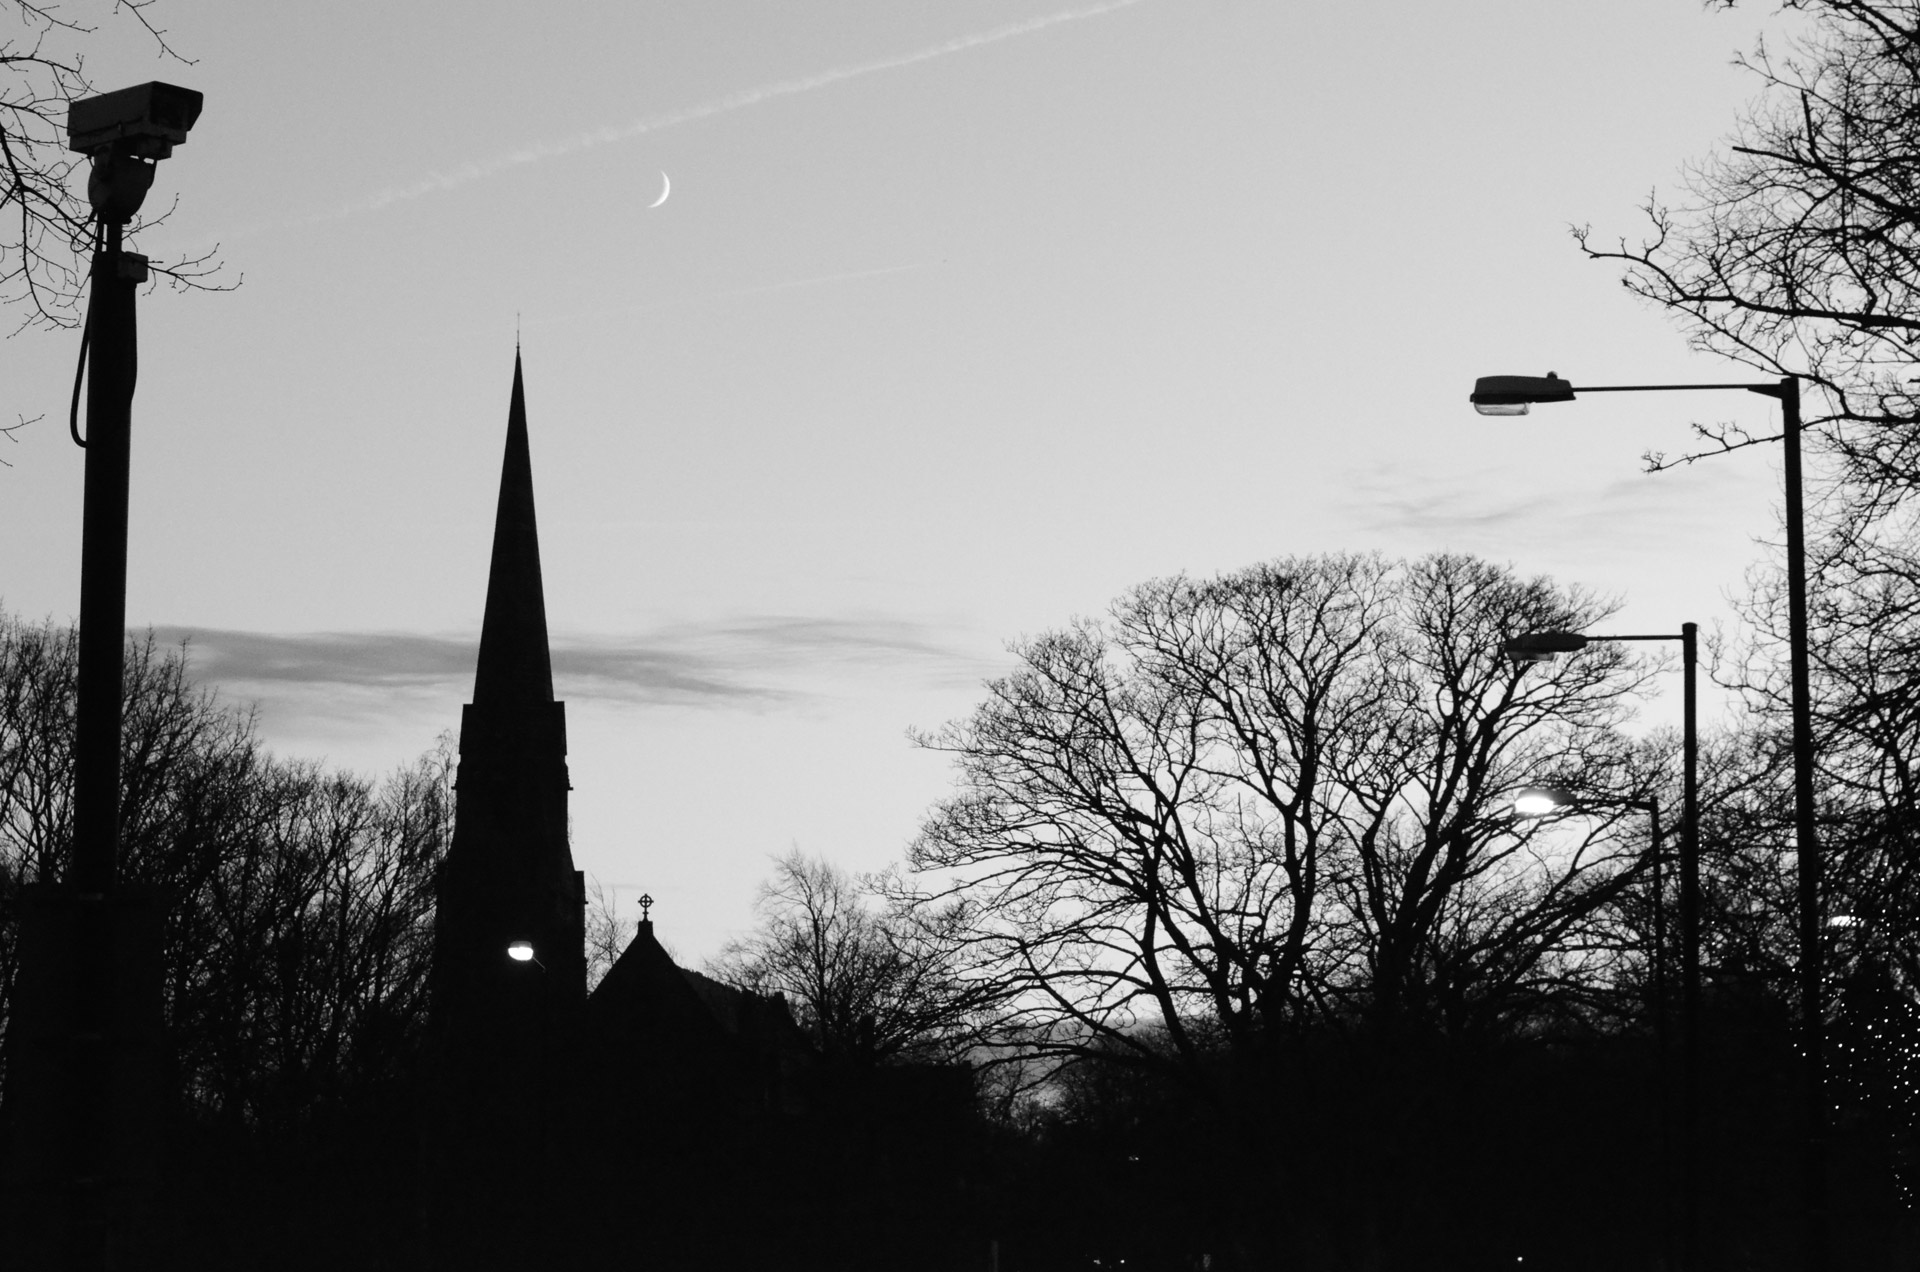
[{"x": 669, "y": 1118}]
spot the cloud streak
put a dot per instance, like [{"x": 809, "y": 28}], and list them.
[
  {"x": 1642, "y": 509},
  {"x": 753, "y": 663},
  {"x": 466, "y": 174}
]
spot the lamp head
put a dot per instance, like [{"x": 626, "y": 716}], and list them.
[
  {"x": 521, "y": 951},
  {"x": 1538, "y": 801},
  {"x": 1512, "y": 394},
  {"x": 1539, "y": 647}
]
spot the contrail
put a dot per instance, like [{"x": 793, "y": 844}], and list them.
[{"x": 485, "y": 168}]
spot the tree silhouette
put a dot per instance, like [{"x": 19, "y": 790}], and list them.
[
  {"x": 296, "y": 943},
  {"x": 867, "y": 978},
  {"x": 1794, "y": 251},
  {"x": 1276, "y": 796},
  {"x": 1240, "y": 858}
]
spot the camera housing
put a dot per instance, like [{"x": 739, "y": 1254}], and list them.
[{"x": 146, "y": 121}]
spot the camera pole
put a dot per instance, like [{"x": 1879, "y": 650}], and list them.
[
  {"x": 84, "y": 1092},
  {"x": 113, "y": 344}
]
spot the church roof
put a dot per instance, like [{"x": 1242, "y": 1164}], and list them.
[
  {"x": 645, "y": 983},
  {"x": 646, "y": 988},
  {"x": 515, "y": 668}
]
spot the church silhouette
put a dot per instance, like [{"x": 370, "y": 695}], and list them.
[{"x": 667, "y": 1120}]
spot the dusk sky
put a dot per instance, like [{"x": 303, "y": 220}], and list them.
[{"x": 961, "y": 319}]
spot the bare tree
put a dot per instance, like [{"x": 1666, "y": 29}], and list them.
[
  {"x": 1797, "y": 250},
  {"x": 298, "y": 931},
  {"x": 607, "y": 933},
  {"x": 1276, "y": 797},
  {"x": 867, "y": 978},
  {"x": 1864, "y": 651}
]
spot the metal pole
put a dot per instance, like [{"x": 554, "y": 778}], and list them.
[
  {"x": 103, "y": 567},
  {"x": 103, "y": 588},
  {"x": 1812, "y": 1010},
  {"x": 1690, "y": 955},
  {"x": 1663, "y": 1050}
]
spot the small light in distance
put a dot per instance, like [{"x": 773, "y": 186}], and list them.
[{"x": 521, "y": 951}]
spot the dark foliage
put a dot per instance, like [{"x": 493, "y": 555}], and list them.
[
  {"x": 868, "y": 977},
  {"x": 296, "y": 946},
  {"x": 1284, "y": 796}
]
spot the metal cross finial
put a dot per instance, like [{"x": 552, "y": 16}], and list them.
[{"x": 646, "y": 908}]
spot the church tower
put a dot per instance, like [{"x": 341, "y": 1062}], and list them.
[
  {"x": 509, "y": 876},
  {"x": 509, "y": 964}
]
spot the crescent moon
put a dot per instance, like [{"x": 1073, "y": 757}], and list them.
[{"x": 666, "y": 188}]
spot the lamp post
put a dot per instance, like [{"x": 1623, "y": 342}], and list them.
[
  {"x": 1543, "y": 647},
  {"x": 1543, "y": 801},
  {"x": 1512, "y": 395}
]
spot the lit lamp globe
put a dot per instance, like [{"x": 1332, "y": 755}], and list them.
[
  {"x": 1539, "y": 801},
  {"x": 521, "y": 951}
]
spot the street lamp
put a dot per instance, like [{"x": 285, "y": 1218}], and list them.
[
  {"x": 1534, "y": 802},
  {"x": 1513, "y": 395},
  {"x": 1533, "y": 647},
  {"x": 1540, "y": 801},
  {"x": 522, "y": 952}
]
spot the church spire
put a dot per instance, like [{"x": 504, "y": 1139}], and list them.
[
  {"x": 499, "y": 1030},
  {"x": 508, "y": 875},
  {"x": 515, "y": 668}
]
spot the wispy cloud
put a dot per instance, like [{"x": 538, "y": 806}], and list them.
[
  {"x": 1469, "y": 512},
  {"x": 752, "y": 662},
  {"x": 479, "y": 170},
  {"x": 387, "y": 660},
  {"x": 1442, "y": 511}
]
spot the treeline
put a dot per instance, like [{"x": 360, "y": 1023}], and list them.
[
  {"x": 297, "y": 942},
  {"x": 1233, "y": 908},
  {"x": 1231, "y": 911},
  {"x": 1248, "y": 866}
]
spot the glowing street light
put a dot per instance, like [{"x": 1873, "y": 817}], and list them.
[
  {"x": 522, "y": 952},
  {"x": 1537, "y": 647},
  {"x": 1542, "y": 801},
  {"x": 1534, "y": 802}
]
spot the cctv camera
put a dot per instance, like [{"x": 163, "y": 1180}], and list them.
[
  {"x": 146, "y": 121},
  {"x": 124, "y": 133}
]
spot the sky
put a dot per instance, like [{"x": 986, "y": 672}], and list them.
[{"x": 960, "y": 320}]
